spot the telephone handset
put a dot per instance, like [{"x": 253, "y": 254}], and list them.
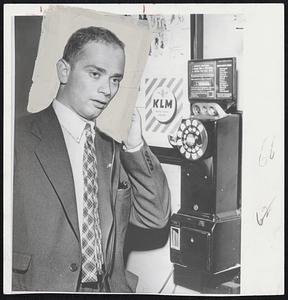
[{"x": 191, "y": 138}]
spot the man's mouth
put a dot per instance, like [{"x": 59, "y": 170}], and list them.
[{"x": 99, "y": 103}]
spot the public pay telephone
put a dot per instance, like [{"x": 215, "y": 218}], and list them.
[{"x": 205, "y": 232}]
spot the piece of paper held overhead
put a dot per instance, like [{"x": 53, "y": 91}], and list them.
[{"x": 57, "y": 26}]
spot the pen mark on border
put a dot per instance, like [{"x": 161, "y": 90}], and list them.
[
  {"x": 267, "y": 151},
  {"x": 265, "y": 213}
]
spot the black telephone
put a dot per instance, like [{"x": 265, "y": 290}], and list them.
[{"x": 205, "y": 232}]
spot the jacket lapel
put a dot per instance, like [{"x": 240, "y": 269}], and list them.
[
  {"x": 104, "y": 154},
  {"x": 53, "y": 157}
]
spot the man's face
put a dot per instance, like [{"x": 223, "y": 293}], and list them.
[{"x": 94, "y": 79}]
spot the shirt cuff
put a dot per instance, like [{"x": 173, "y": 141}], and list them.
[{"x": 135, "y": 149}]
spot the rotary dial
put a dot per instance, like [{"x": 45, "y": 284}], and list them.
[{"x": 192, "y": 139}]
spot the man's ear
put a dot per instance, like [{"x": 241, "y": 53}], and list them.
[{"x": 63, "y": 70}]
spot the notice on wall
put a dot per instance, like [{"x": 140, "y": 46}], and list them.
[
  {"x": 224, "y": 79},
  {"x": 211, "y": 79}
]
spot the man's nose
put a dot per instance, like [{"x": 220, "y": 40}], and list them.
[{"x": 105, "y": 88}]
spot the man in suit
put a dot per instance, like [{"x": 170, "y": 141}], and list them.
[{"x": 75, "y": 188}]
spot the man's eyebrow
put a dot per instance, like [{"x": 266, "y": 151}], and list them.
[
  {"x": 101, "y": 70},
  {"x": 95, "y": 67},
  {"x": 117, "y": 75}
]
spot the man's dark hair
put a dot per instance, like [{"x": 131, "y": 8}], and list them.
[{"x": 83, "y": 36}]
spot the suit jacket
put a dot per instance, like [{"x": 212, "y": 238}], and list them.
[{"x": 46, "y": 239}]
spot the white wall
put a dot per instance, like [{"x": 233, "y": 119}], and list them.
[
  {"x": 258, "y": 48},
  {"x": 223, "y": 37}
]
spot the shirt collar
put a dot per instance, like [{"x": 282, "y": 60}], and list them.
[{"x": 71, "y": 121}]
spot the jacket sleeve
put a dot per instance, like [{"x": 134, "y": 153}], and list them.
[{"x": 151, "y": 203}]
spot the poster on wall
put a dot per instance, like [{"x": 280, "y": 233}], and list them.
[
  {"x": 163, "y": 99},
  {"x": 163, "y": 104},
  {"x": 168, "y": 35}
]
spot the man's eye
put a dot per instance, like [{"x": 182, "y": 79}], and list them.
[
  {"x": 94, "y": 74},
  {"x": 116, "y": 80}
]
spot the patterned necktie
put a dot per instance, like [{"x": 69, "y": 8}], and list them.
[{"x": 92, "y": 256}]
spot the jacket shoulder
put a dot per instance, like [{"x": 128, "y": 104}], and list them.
[
  {"x": 24, "y": 123},
  {"x": 27, "y": 124}
]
